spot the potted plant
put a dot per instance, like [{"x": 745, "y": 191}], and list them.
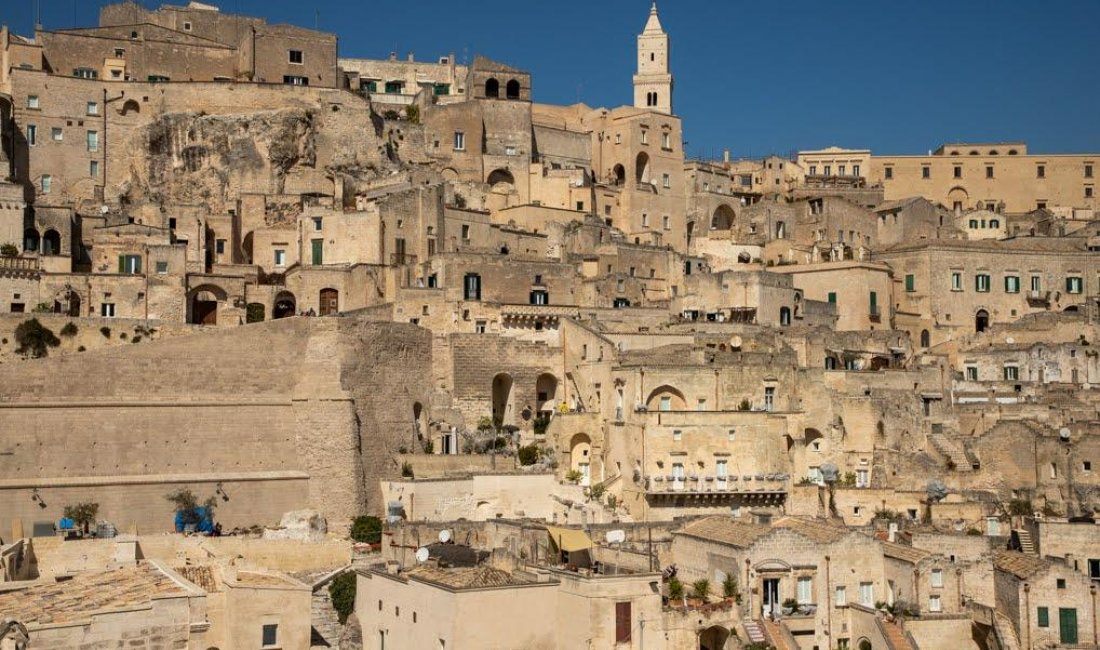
[
  {"x": 789, "y": 606},
  {"x": 675, "y": 591}
]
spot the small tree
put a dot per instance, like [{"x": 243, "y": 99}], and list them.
[
  {"x": 342, "y": 592},
  {"x": 744, "y": 405},
  {"x": 254, "y": 313},
  {"x": 701, "y": 588},
  {"x": 729, "y": 586},
  {"x": 35, "y": 339},
  {"x": 573, "y": 476},
  {"x": 528, "y": 455},
  {"x": 69, "y": 330},
  {"x": 412, "y": 113},
  {"x": 188, "y": 507},
  {"x": 82, "y": 514},
  {"x": 367, "y": 529},
  {"x": 407, "y": 470}
]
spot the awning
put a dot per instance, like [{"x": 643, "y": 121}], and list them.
[{"x": 567, "y": 539}]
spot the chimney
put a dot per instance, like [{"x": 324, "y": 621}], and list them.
[
  {"x": 726, "y": 155},
  {"x": 393, "y": 56},
  {"x": 893, "y": 535}
]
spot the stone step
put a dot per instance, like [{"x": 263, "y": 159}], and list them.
[
  {"x": 754, "y": 631},
  {"x": 896, "y": 638},
  {"x": 953, "y": 450}
]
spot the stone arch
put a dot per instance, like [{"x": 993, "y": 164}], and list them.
[
  {"x": 449, "y": 174},
  {"x": 203, "y": 304},
  {"x": 328, "y": 302},
  {"x": 502, "y": 176},
  {"x": 492, "y": 88},
  {"x": 130, "y": 106},
  {"x": 286, "y": 305},
  {"x": 546, "y": 392},
  {"x": 925, "y": 339},
  {"x": 811, "y": 435},
  {"x": 580, "y": 456},
  {"x": 864, "y": 644},
  {"x": 666, "y": 398},
  {"x": 503, "y": 400},
  {"x": 981, "y": 321},
  {"x": 51, "y": 242},
  {"x": 723, "y": 217},
  {"x": 958, "y": 197},
  {"x": 641, "y": 168},
  {"x": 713, "y": 638},
  {"x": 511, "y": 89},
  {"x": 30, "y": 240},
  {"x": 620, "y": 174}
]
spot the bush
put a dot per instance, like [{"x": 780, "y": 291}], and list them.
[
  {"x": 82, "y": 514},
  {"x": 254, "y": 313},
  {"x": 136, "y": 339},
  {"x": 484, "y": 423},
  {"x": 367, "y": 529},
  {"x": 35, "y": 339},
  {"x": 744, "y": 405},
  {"x": 1020, "y": 508},
  {"x": 105, "y": 331},
  {"x": 69, "y": 330},
  {"x": 412, "y": 113},
  {"x": 429, "y": 447},
  {"x": 701, "y": 588},
  {"x": 974, "y": 532},
  {"x": 342, "y": 591},
  {"x": 729, "y": 586},
  {"x": 391, "y": 115},
  {"x": 406, "y": 470},
  {"x": 528, "y": 455},
  {"x": 573, "y": 476},
  {"x": 187, "y": 505},
  {"x": 81, "y": 349},
  {"x": 541, "y": 424},
  {"x": 43, "y": 308},
  {"x": 675, "y": 589},
  {"x": 597, "y": 491},
  {"x": 122, "y": 336},
  {"x": 9, "y": 250}
]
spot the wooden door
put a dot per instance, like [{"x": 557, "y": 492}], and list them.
[{"x": 330, "y": 302}]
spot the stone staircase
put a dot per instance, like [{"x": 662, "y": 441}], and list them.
[
  {"x": 776, "y": 635},
  {"x": 952, "y": 450},
  {"x": 1027, "y": 545},
  {"x": 1006, "y": 634},
  {"x": 754, "y": 631},
  {"x": 896, "y": 638}
]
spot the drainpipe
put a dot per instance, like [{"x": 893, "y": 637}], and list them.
[
  {"x": 1095, "y": 637},
  {"x": 748, "y": 586},
  {"x": 1027, "y": 615},
  {"x": 828, "y": 602}
]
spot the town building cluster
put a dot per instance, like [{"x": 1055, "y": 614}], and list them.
[{"x": 604, "y": 395}]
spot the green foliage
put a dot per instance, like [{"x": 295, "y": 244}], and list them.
[
  {"x": 700, "y": 588},
  {"x": 391, "y": 115},
  {"x": 460, "y": 201},
  {"x": 675, "y": 589},
  {"x": 412, "y": 113},
  {"x": 541, "y": 424},
  {"x": 849, "y": 480},
  {"x": 136, "y": 339},
  {"x": 105, "y": 331},
  {"x": 83, "y": 514},
  {"x": 887, "y": 514},
  {"x": 973, "y": 532},
  {"x": 484, "y": 423},
  {"x": 1020, "y": 508},
  {"x": 429, "y": 447},
  {"x": 612, "y": 501},
  {"x": 342, "y": 591},
  {"x": 42, "y": 308},
  {"x": 35, "y": 339},
  {"x": 122, "y": 336},
  {"x": 729, "y": 586},
  {"x": 745, "y": 405},
  {"x": 790, "y": 603},
  {"x": 69, "y": 330},
  {"x": 187, "y": 504},
  {"x": 407, "y": 470},
  {"x": 805, "y": 481},
  {"x": 528, "y": 455},
  {"x": 573, "y": 476},
  {"x": 597, "y": 491},
  {"x": 367, "y": 529},
  {"x": 254, "y": 313},
  {"x": 9, "y": 250}
]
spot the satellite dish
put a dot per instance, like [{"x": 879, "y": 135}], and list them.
[
  {"x": 422, "y": 554},
  {"x": 616, "y": 536},
  {"x": 104, "y": 209},
  {"x": 1063, "y": 433},
  {"x": 444, "y": 536}
]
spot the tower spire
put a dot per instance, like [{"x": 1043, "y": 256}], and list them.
[{"x": 653, "y": 82}]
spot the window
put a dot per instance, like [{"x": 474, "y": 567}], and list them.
[
  {"x": 1086, "y": 466},
  {"x": 32, "y": 134},
  {"x": 119, "y": 52},
  {"x": 1041, "y": 171},
  {"x": 93, "y": 141},
  {"x": 889, "y": 172},
  {"x": 57, "y": 134},
  {"x": 863, "y": 478},
  {"x": 972, "y": 373},
  {"x": 45, "y": 183},
  {"x": 937, "y": 577},
  {"x": 989, "y": 171},
  {"x": 645, "y": 136},
  {"x": 1088, "y": 192},
  {"x": 460, "y": 141},
  {"x": 666, "y": 140},
  {"x": 85, "y": 73},
  {"x": 1088, "y": 171},
  {"x": 981, "y": 283},
  {"x": 1043, "y": 617},
  {"x": 1060, "y": 583},
  {"x": 466, "y": 232},
  {"x": 1012, "y": 284},
  {"x": 839, "y": 170},
  {"x": 219, "y": 246},
  {"x": 511, "y": 151},
  {"x": 295, "y": 56},
  {"x": 910, "y": 283},
  {"x": 666, "y": 180},
  {"x": 540, "y": 297},
  {"x": 160, "y": 79},
  {"x": 1094, "y": 569},
  {"x": 832, "y": 297},
  {"x": 441, "y": 90},
  {"x": 107, "y": 310},
  {"x": 479, "y": 327},
  {"x": 805, "y": 590},
  {"x": 813, "y": 170},
  {"x": 1074, "y": 284},
  {"x": 472, "y": 287},
  {"x": 956, "y": 281},
  {"x": 867, "y": 594},
  {"x": 293, "y": 80},
  {"x": 645, "y": 220},
  {"x": 623, "y": 623},
  {"x": 93, "y": 108},
  {"x": 855, "y": 170},
  {"x": 677, "y": 435},
  {"x": 129, "y": 264},
  {"x": 317, "y": 223},
  {"x": 280, "y": 257},
  {"x": 1011, "y": 373},
  {"x": 665, "y": 403},
  {"x": 935, "y": 604},
  {"x": 958, "y": 171},
  {"x": 270, "y": 635},
  {"x": 93, "y": 168},
  {"x": 187, "y": 27},
  {"x": 667, "y": 222},
  {"x": 769, "y": 398},
  {"x": 32, "y": 102},
  {"x": 841, "y": 598},
  {"x": 162, "y": 268},
  {"x": 1036, "y": 283},
  {"x": 926, "y": 172}
]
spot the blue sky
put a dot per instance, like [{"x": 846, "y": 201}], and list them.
[{"x": 756, "y": 77}]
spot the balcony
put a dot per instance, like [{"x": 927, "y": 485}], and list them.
[
  {"x": 875, "y": 314},
  {"x": 19, "y": 266},
  {"x": 763, "y": 489}
]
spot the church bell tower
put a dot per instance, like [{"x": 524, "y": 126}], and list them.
[{"x": 653, "y": 83}]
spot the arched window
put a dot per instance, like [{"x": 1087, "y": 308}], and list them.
[
  {"x": 981, "y": 321},
  {"x": 994, "y": 223},
  {"x": 925, "y": 339},
  {"x": 512, "y": 89},
  {"x": 784, "y": 316},
  {"x": 492, "y": 88},
  {"x": 641, "y": 168},
  {"x": 30, "y": 240},
  {"x": 51, "y": 243}
]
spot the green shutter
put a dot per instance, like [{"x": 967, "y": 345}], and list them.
[
  {"x": 832, "y": 297},
  {"x": 874, "y": 300},
  {"x": 121, "y": 263},
  {"x": 1044, "y": 617},
  {"x": 318, "y": 251},
  {"x": 1067, "y": 625},
  {"x": 910, "y": 283}
]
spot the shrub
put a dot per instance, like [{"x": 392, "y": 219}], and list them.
[
  {"x": 597, "y": 491},
  {"x": 367, "y": 529},
  {"x": 42, "y": 308},
  {"x": 136, "y": 339},
  {"x": 573, "y": 476},
  {"x": 675, "y": 589},
  {"x": 391, "y": 115},
  {"x": 122, "y": 336},
  {"x": 35, "y": 339},
  {"x": 744, "y": 405},
  {"x": 729, "y": 586},
  {"x": 1020, "y": 507},
  {"x": 254, "y": 313},
  {"x": 412, "y": 113},
  {"x": 187, "y": 505},
  {"x": 82, "y": 514},
  {"x": 974, "y": 532},
  {"x": 9, "y": 250},
  {"x": 406, "y": 470},
  {"x": 105, "y": 331},
  {"x": 701, "y": 588},
  {"x": 612, "y": 501},
  {"x": 81, "y": 349},
  {"x": 528, "y": 455},
  {"x": 541, "y": 424},
  {"x": 460, "y": 201},
  {"x": 342, "y": 591},
  {"x": 484, "y": 423},
  {"x": 790, "y": 603},
  {"x": 69, "y": 330},
  {"x": 429, "y": 447}
]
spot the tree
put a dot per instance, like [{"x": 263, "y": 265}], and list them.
[
  {"x": 367, "y": 529},
  {"x": 35, "y": 339},
  {"x": 82, "y": 514},
  {"x": 412, "y": 113},
  {"x": 188, "y": 507},
  {"x": 69, "y": 330},
  {"x": 342, "y": 591},
  {"x": 675, "y": 589},
  {"x": 528, "y": 455}
]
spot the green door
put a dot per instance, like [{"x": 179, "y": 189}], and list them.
[
  {"x": 1067, "y": 624},
  {"x": 318, "y": 251}
]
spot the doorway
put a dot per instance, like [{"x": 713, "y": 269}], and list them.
[
  {"x": 771, "y": 598},
  {"x": 981, "y": 321},
  {"x": 330, "y": 302}
]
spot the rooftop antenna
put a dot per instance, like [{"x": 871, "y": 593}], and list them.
[{"x": 316, "y": 19}]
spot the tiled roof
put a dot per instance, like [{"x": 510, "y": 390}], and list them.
[
  {"x": 1019, "y": 564},
  {"x": 86, "y": 593},
  {"x": 465, "y": 578},
  {"x": 903, "y": 552},
  {"x": 725, "y": 530},
  {"x": 813, "y": 529},
  {"x": 253, "y": 579},
  {"x": 205, "y": 577}
]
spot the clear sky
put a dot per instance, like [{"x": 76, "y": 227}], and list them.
[{"x": 754, "y": 77}]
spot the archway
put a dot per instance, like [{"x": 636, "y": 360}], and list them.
[
  {"x": 203, "y": 304},
  {"x": 285, "y": 305},
  {"x": 502, "y": 178},
  {"x": 329, "y": 302},
  {"x": 784, "y": 316},
  {"x": 30, "y": 240},
  {"x": 51, "y": 243},
  {"x": 981, "y": 321},
  {"x": 666, "y": 398},
  {"x": 864, "y": 644},
  {"x": 722, "y": 219},
  {"x": 580, "y": 457},
  {"x": 492, "y": 88},
  {"x": 503, "y": 411},
  {"x": 546, "y": 389},
  {"x": 925, "y": 339},
  {"x": 713, "y": 638},
  {"x": 511, "y": 91},
  {"x": 958, "y": 198},
  {"x": 131, "y": 106},
  {"x": 620, "y": 175},
  {"x": 812, "y": 436},
  {"x": 449, "y": 174},
  {"x": 641, "y": 168}
]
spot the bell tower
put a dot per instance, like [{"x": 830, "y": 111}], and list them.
[{"x": 653, "y": 83}]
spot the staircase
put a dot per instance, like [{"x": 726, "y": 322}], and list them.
[
  {"x": 952, "y": 450},
  {"x": 776, "y": 636},
  {"x": 896, "y": 638},
  {"x": 1006, "y": 634},
  {"x": 1027, "y": 546},
  {"x": 754, "y": 631}
]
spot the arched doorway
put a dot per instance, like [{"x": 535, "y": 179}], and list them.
[
  {"x": 546, "y": 388},
  {"x": 503, "y": 411},
  {"x": 419, "y": 425},
  {"x": 30, "y": 240},
  {"x": 203, "y": 304},
  {"x": 784, "y": 316},
  {"x": 925, "y": 339},
  {"x": 958, "y": 198},
  {"x": 329, "y": 302},
  {"x": 981, "y": 321},
  {"x": 580, "y": 457},
  {"x": 864, "y": 644},
  {"x": 502, "y": 179},
  {"x": 713, "y": 638},
  {"x": 511, "y": 91},
  {"x": 51, "y": 243},
  {"x": 722, "y": 219},
  {"x": 666, "y": 398},
  {"x": 492, "y": 88},
  {"x": 285, "y": 305},
  {"x": 620, "y": 175},
  {"x": 641, "y": 168}
]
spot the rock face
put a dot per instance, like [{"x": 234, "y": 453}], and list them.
[
  {"x": 302, "y": 525},
  {"x": 352, "y": 637}
]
